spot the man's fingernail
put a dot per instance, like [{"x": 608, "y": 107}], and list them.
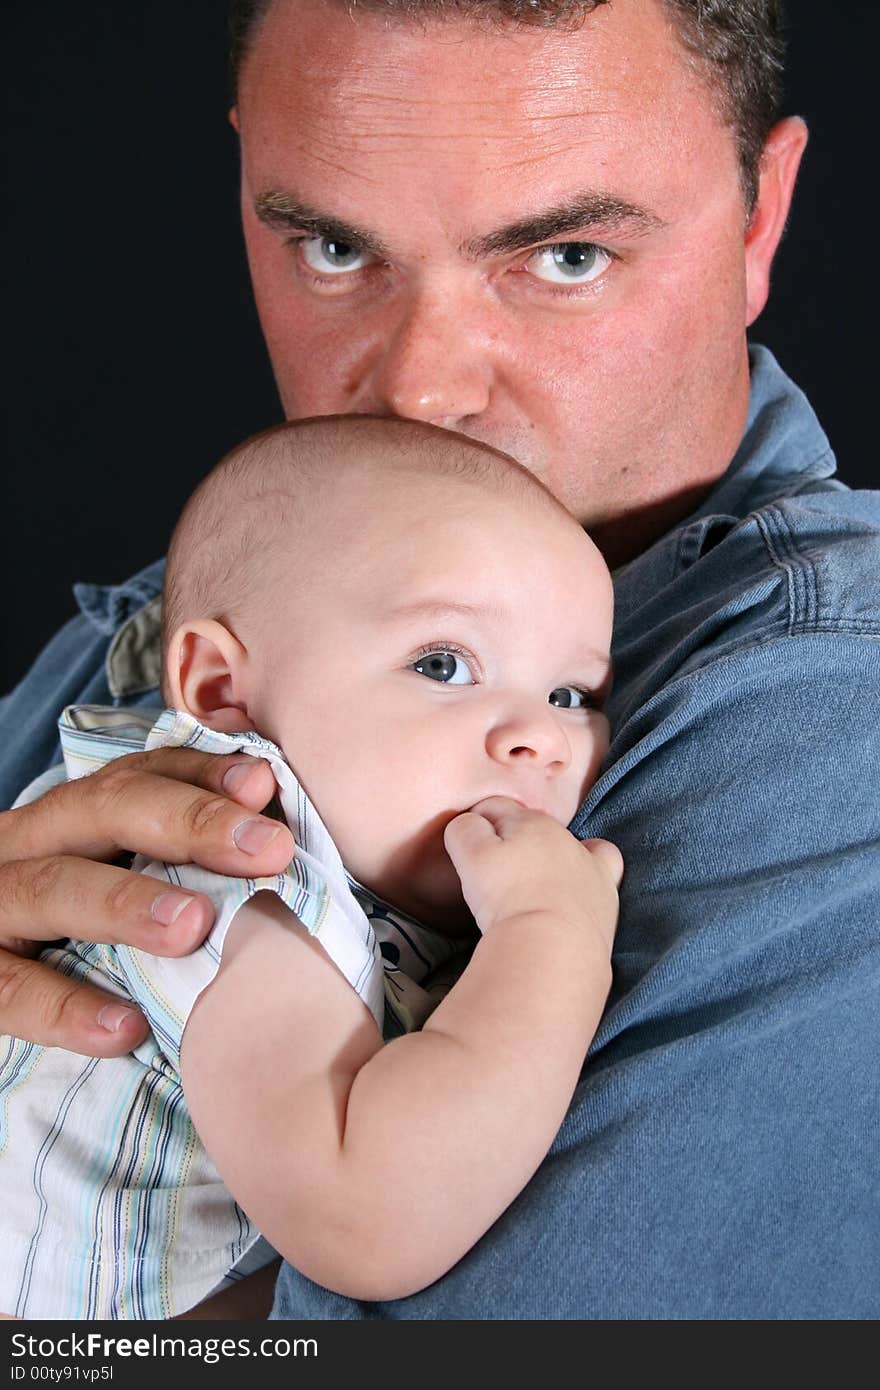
[
  {"x": 252, "y": 836},
  {"x": 236, "y": 777},
  {"x": 112, "y": 1017},
  {"x": 168, "y": 907}
]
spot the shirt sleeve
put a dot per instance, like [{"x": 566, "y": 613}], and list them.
[
  {"x": 167, "y": 988},
  {"x": 720, "y": 1159}
]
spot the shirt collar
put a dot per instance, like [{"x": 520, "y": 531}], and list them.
[
  {"x": 131, "y": 615},
  {"x": 783, "y": 447}
]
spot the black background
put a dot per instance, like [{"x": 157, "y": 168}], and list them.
[{"x": 133, "y": 355}]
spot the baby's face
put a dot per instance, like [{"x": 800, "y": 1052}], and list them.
[{"x": 455, "y": 647}]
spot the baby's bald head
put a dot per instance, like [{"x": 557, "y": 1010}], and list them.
[{"x": 280, "y": 512}]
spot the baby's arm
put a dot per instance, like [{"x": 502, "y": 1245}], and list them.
[{"x": 374, "y": 1168}]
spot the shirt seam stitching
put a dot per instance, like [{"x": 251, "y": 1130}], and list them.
[
  {"x": 781, "y": 637},
  {"x": 798, "y": 569}
]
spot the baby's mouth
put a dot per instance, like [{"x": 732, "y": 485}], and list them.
[{"x": 534, "y": 805}]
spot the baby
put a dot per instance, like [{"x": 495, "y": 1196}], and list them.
[{"x": 421, "y": 633}]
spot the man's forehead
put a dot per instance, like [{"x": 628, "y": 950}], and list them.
[
  {"x": 360, "y": 104},
  {"x": 387, "y": 75}
]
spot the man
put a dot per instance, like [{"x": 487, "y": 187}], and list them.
[{"x": 553, "y": 236}]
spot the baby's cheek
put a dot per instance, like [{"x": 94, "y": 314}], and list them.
[
  {"x": 352, "y": 808},
  {"x": 595, "y": 748},
  {"x": 600, "y": 736},
  {"x": 409, "y": 868}
]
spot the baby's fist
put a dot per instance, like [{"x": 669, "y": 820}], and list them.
[{"x": 513, "y": 861}]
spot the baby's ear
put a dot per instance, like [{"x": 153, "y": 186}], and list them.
[{"x": 205, "y": 674}]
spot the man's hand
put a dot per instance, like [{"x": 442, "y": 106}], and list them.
[
  {"x": 514, "y": 862},
  {"x": 57, "y": 879}
]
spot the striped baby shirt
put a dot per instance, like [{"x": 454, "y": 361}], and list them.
[{"x": 111, "y": 1206}]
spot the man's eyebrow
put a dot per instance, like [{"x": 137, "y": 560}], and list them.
[
  {"x": 587, "y": 212},
  {"x": 283, "y": 213}
]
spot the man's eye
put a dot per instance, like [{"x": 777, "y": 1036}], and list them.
[
  {"x": 568, "y": 262},
  {"x": 445, "y": 666},
  {"x": 330, "y": 256},
  {"x": 570, "y": 697}
]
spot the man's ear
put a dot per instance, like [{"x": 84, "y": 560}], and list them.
[
  {"x": 233, "y": 119},
  {"x": 779, "y": 166},
  {"x": 206, "y": 672}
]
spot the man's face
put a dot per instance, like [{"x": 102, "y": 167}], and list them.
[
  {"x": 531, "y": 235},
  {"x": 454, "y": 646}
]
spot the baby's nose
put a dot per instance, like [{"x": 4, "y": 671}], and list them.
[{"x": 536, "y": 738}]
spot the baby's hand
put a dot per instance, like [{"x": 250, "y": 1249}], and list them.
[{"x": 513, "y": 862}]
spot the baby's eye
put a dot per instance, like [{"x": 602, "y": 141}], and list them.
[
  {"x": 446, "y": 666},
  {"x": 570, "y": 697}
]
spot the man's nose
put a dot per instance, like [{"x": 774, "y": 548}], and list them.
[
  {"x": 434, "y": 364},
  {"x": 530, "y": 737}
]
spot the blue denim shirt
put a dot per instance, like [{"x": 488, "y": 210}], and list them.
[{"x": 721, "y": 1156}]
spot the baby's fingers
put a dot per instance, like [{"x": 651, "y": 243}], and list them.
[
  {"x": 609, "y": 856},
  {"x": 508, "y": 817},
  {"x": 466, "y": 835}
]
